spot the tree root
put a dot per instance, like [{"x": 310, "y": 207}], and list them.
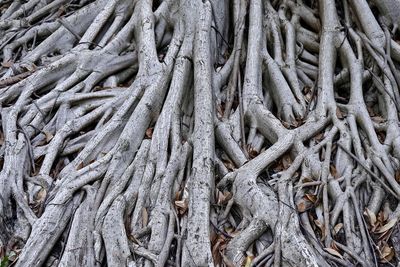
[{"x": 199, "y": 133}]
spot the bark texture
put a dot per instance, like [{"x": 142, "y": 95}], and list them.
[{"x": 199, "y": 133}]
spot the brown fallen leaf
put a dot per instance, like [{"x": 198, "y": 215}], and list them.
[
  {"x": 182, "y": 206},
  {"x": 382, "y": 217},
  {"x": 387, "y": 226},
  {"x": 312, "y": 198},
  {"x": 149, "y": 133},
  {"x": 252, "y": 153},
  {"x": 395, "y": 239},
  {"x": 49, "y": 136},
  {"x": 307, "y": 180},
  {"x": 319, "y": 137},
  {"x": 228, "y": 164},
  {"x": 339, "y": 113},
  {"x": 321, "y": 226},
  {"x": 378, "y": 119},
  {"x": 145, "y": 217},
  {"x": 337, "y": 228},
  {"x": 333, "y": 171},
  {"x": 386, "y": 253},
  {"x": 333, "y": 252},
  {"x": 41, "y": 195},
  {"x": 371, "y": 111},
  {"x": 370, "y": 216},
  {"x": 223, "y": 197},
  {"x": 286, "y": 161},
  {"x": 249, "y": 259},
  {"x": 397, "y": 175},
  {"x": 80, "y": 166},
  {"x": 7, "y": 64},
  {"x": 301, "y": 206},
  {"x": 216, "y": 249}
]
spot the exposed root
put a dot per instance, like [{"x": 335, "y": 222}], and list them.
[{"x": 199, "y": 133}]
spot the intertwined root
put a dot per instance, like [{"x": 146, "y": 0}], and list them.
[{"x": 199, "y": 133}]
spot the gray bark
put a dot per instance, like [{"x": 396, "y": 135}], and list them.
[{"x": 199, "y": 133}]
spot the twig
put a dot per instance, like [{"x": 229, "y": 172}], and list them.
[
  {"x": 369, "y": 171},
  {"x": 220, "y": 231},
  {"x": 14, "y": 79},
  {"x": 69, "y": 28}
]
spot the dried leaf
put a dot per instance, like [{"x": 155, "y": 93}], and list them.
[
  {"x": 80, "y": 166},
  {"x": 382, "y": 216},
  {"x": 30, "y": 67},
  {"x": 339, "y": 113},
  {"x": 252, "y": 153},
  {"x": 308, "y": 97},
  {"x": 371, "y": 217},
  {"x": 285, "y": 124},
  {"x": 387, "y": 253},
  {"x": 182, "y": 206},
  {"x": 306, "y": 89},
  {"x": 397, "y": 176},
  {"x": 41, "y": 195},
  {"x": 228, "y": 164},
  {"x": 334, "y": 246},
  {"x": 57, "y": 169},
  {"x": 223, "y": 197},
  {"x": 286, "y": 161},
  {"x": 333, "y": 171},
  {"x": 7, "y": 64},
  {"x": 387, "y": 226},
  {"x": 319, "y": 137},
  {"x": 395, "y": 239},
  {"x": 220, "y": 110},
  {"x": 301, "y": 206},
  {"x": 337, "y": 228},
  {"x": 312, "y": 198},
  {"x": 249, "y": 259},
  {"x": 378, "y": 119},
  {"x": 320, "y": 225},
  {"x": 49, "y": 136},
  {"x": 381, "y": 136},
  {"x": 145, "y": 216},
  {"x": 149, "y": 133},
  {"x": 333, "y": 252},
  {"x": 216, "y": 249},
  {"x": 371, "y": 112},
  {"x": 178, "y": 195},
  {"x": 307, "y": 180}
]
